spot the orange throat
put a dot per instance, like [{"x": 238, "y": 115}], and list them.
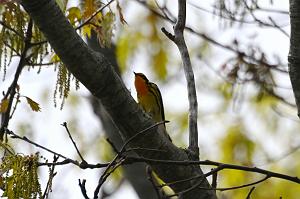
[{"x": 140, "y": 86}]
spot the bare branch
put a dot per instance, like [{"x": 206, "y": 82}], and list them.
[
  {"x": 214, "y": 180},
  {"x": 13, "y": 135},
  {"x": 244, "y": 185},
  {"x": 250, "y": 192},
  {"x": 82, "y": 188},
  {"x": 51, "y": 176},
  {"x": 73, "y": 142},
  {"x": 219, "y": 166},
  {"x": 189, "y": 75},
  {"x": 293, "y": 56},
  {"x": 119, "y": 159}
]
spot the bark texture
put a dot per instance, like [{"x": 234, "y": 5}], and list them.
[{"x": 294, "y": 54}]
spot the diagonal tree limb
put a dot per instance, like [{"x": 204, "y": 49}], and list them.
[{"x": 294, "y": 53}]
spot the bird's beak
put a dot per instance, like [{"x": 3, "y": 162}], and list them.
[{"x": 134, "y": 73}]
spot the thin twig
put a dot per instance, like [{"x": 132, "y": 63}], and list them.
[
  {"x": 91, "y": 17},
  {"x": 82, "y": 165},
  {"x": 105, "y": 175},
  {"x": 284, "y": 12},
  {"x": 73, "y": 142},
  {"x": 214, "y": 180},
  {"x": 51, "y": 176},
  {"x": 82, "y": 188},
  {"x": 244, "y": 185},
  {"x": 250, "y": 192},
  {"x": 13, "y": 135},
  {"x": 119, "y": 159},
  {"x": 219, "y": 166},
  {"x": 181, "y": 193},
  {"x": 146, "y": 130}
]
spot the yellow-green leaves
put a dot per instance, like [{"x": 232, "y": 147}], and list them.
[
  {"x": 105, "y": 28},
  {"x": 148, "y": 39},
  {"x": 236, "y": 146},
  {"x": 126, "y": 46},
  {"x": 19, "y": 176},
  {"x": 13, "y": 28},
  {"x": 3, "y": 105},
  {"x": 33, "y": 105},
  {"x": 74, "y": 15},
  {"x": 89, "y": 8}
]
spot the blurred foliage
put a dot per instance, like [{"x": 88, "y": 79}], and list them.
[
  {"x": 236, "y": 147},
  {"x": 146, "y": 38},
  {"x": 12, "y": 33}
]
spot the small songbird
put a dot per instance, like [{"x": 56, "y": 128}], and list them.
[{"x": 149, "y": 98}]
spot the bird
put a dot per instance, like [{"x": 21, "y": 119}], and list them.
[{"x": 150, "y": 99}]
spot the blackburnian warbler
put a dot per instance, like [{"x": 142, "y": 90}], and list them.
[{"x": 149, "y": 98}]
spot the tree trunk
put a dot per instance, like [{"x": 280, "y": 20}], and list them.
[{"x": 294, "y": 54}]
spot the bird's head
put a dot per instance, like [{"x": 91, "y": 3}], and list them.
[{"x": 140, "y": 83}]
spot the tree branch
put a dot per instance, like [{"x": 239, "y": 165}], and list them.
[
  {"x": 73, "y": 142},
  {"x": 294, "y": 53},
  {"x": 178, "y": 38}
]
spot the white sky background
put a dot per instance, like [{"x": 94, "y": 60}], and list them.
[{"x": 47, "y": 130}]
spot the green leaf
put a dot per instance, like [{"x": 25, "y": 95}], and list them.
[
  {"x": 74, "y": 15},
  {"x": 33, "y": 105},
  {"x": 3, "y": 105}
]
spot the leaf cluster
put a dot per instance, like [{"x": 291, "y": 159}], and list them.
[{"x": 19, "y": 176}]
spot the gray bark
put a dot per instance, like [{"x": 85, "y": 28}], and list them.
[
  {"x": 95, "y": 72},
  {"x": 294, "y": 53}
]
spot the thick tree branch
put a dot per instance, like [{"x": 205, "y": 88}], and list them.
[
  {"x": 294, "y": 54},
  {"x": 96, "y": 74}
]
